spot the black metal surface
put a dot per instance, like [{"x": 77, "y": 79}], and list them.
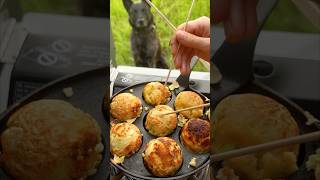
[
  {"x": 235, "y": 60},
  {"x": 89, "y": 89},
  {"x": 133, "y": 166},
  {"x": 183, "y": 80},
  {"x": 235, "y": 63},
  {"x": 298, "y": 114},
  {"x": 45, "y": 58}
]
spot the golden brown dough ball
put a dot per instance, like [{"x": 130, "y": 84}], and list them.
[
  {"x": 155, "y": 93},
  {"x": 125, "y": 139},
  {"x": 249, "y": 119},
  {"x": 163, "y": 157},
  {"x": 187, "y": 99},
  {"x": 195, "y": 135},
  {"x": 161, "y": 125},
  {"x": 125, "y": 106},
  {"x": 51, "y": 139}
]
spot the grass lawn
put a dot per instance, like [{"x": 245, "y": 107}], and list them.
[{"x": 176, "y": 11}]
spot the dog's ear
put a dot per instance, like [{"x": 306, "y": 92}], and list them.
[
  {"x": 127, "y": 4},
  {"x": 146, "y": 3}
]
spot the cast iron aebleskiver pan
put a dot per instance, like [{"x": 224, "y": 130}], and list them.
[
  {"x": 298, "y": 114},
  {"x": 133, "y": 166},
  {"x": 235, "y": 63},
  {"x": 89, "y": 89}
]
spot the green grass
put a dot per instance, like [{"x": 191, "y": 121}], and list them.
[
  {"x": 286, "y": 17},
  {"x": 176, "y": 11}
]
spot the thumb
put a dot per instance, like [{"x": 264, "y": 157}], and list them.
[{"x": 192, "y": 41}]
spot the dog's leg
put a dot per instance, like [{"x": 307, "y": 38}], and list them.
[
  {"x": 140, "y": 62},
  {"x": 161, "y": 60}
]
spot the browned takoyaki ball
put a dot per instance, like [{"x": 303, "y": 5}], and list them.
[
  {"x": 195, "y": 135},
  {"x": 125, "y": 106},
  {"x": 158, "y": 124},
  {"x": 163, "y": 157},
  {"x": 188, "y": 99},
  {"x": 155, "y": 93}
]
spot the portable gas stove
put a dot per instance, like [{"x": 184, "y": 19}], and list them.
[{"x": 124, "y": 76}]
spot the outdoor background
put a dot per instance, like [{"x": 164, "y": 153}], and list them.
[
  {"x": 176, "y": 12},
  {"x": 286, "y": 17}
]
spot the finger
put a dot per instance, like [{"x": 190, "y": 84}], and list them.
[
  {"x": 205, "y": 55},
  {"x": 199, "y": 27},
  {"x": 186, "y": 53},
  {"x": 188, "y": 67},
  {"x": 181, "y": 26},
  {"x": 220, "y": 10},
  {"x": 190, "y": 56},
  {"x": 185, "y": 69},
  {"x": 237, "y": 21},
  {"x": 204, "y": 27},
  {"x": 251, "y": 18},
  {"x": 174, "y": 45},
  {"x": 178, "y": 60},
  {"x": 184, "y": 57},
  {"x": 192, "y": 41}
]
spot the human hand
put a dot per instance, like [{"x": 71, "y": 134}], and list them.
[
  {"x": 195, "y": 41},
  {"x": 239, "y": 17}
]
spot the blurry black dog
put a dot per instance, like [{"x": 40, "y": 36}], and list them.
[{"x": 145, "y": 44}]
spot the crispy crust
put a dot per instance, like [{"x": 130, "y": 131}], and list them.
[
  {"x": 125, "y": 139},
  {"x": 158, "y": 125},
  {"x": 187, "y": 99},
  {"x": 251, "y": 119},
  {"x": 50, "y": 139},
  {"x": 125, "y": 106},
  {"x": 195, "y": 135},
  {"x": 155, "y": 93},
  {"x": 163, "y": 157}
]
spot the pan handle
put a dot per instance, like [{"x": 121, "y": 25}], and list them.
[
  {"x": 234, "y": 60},
  {"x": 183, "y": 80},
  {"x": 264, "y": 9}
]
